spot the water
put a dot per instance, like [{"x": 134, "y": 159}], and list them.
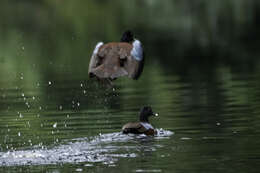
[
  {"x": 106, "y": 149},
  {"x": 205, "y": 124},
  {"x": 201, "y": 75}
]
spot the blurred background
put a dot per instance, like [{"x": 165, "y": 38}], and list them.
[
  {"x": 202, "y": 73},
  {"x": 180, "y": 34}
]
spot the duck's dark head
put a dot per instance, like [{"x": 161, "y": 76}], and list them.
[
  {"x": 127, "y": 36},
  {"x": 145, "y": 113}
]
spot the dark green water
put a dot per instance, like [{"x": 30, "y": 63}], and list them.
[
  {"x": 74, "y": 125},
  {"x": 201, "y": 74}
]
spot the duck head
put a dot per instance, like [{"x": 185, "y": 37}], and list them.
[
  {"x": 127, "y": 36},
  {"x": 145, "y": 113}
]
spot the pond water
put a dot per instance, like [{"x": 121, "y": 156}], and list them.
[
  {"x": 69, "y": 124},
  {"x": 201, "y": 74}
]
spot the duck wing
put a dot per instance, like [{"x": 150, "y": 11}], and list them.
[
  {"x": 135, "y": 64},
  {"x": 134, "y": 68},
  {"x": 135, "y": 128},
  {"x": 95, "y": 60}
]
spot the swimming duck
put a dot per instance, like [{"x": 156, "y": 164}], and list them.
[
  {"x": 143, "y": 126},
  {"x": 115, "y": 59}
]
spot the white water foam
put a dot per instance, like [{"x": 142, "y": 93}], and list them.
[{"x": 105, "y": 148}]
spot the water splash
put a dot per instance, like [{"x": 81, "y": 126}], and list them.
[
  {"x": 55, "y": 125},
  {"x": 104, "y": 148}
]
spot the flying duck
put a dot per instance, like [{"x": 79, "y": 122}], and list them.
[
  {"x": 143, "y": 126},
  {"x": 115, "y": 59}
]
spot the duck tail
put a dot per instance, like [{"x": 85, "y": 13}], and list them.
[{"x": 126, "y": 131}]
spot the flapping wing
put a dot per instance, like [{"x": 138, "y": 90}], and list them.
[
  {"x": 95, "y": 60},
  {"x": 135, "y": 64}
]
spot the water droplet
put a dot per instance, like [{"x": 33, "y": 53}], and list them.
[
  {"x": 19, "y": 133},
  {"x": 68, "y": 115},
  {"x": 78, "y": 104},
  {"x": 60, "y": 107},
  {"x": 49, "y": 82},
  {"x": 55, "y": 125},
  {"x": 218, "y": 124},
  {"x": 22, "y": 47},
  {"x": 27, "y": 104},
  {"x": 22, "y": 94},
  {"x": 81, "y": 85},
  {"x": 84, "y": 91},
  {"x": 113, "y": 89},
  {"x": 40, "y": 108},
  {"x": 20, "y": 115},
  {"x": 33, "y": 98}
]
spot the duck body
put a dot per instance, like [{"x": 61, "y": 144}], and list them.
[
  {"x": 116, "y": 59},
  {"x": 143, "y": 126},
  {"x": 138, "y": 128}
]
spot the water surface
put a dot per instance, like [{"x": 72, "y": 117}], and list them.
[
  {"x": 201, "y": 75},
  {"x": 206, "y": 125}
]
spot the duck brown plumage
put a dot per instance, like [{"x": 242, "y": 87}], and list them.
[
  {"x": 115, "y": 59},
  {"x": 143, "y": 126}
]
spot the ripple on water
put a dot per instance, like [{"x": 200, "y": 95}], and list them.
[{"x": 105, "y": 148}]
